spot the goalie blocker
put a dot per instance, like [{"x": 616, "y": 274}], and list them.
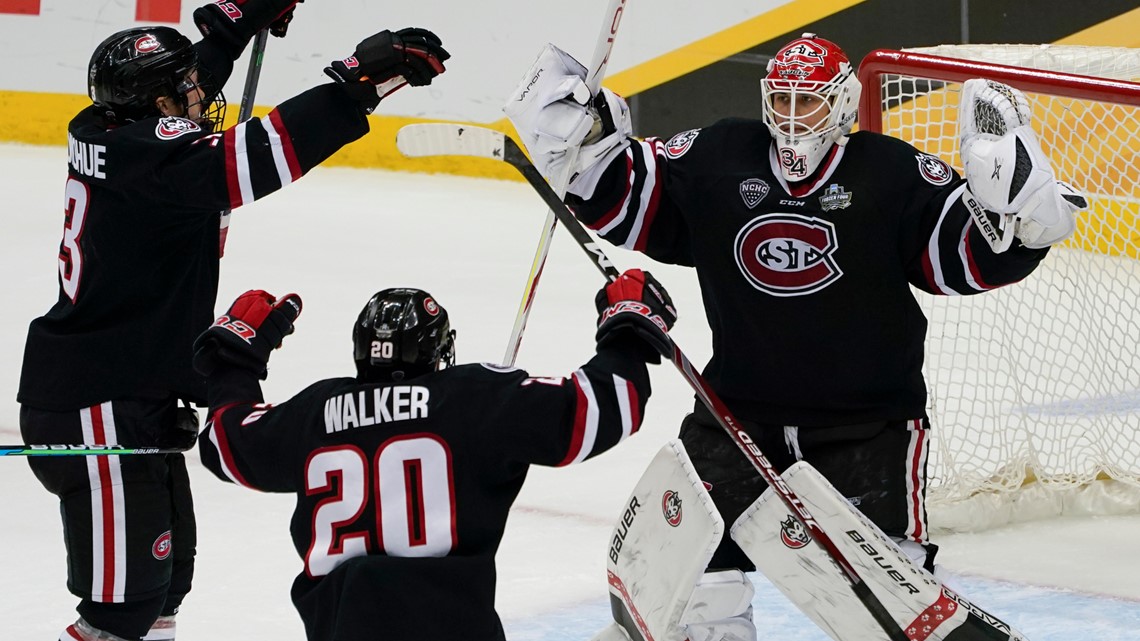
[{"x": 669, "y": 528}]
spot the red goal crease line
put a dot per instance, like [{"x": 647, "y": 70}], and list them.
[{"x": 145, "y": 10}]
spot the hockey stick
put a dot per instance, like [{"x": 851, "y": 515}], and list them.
[
  {"x": 252, "y": 77},
  {"x": 82, "y": 450},
  {"x": 596, "y": 72},
  {"x": 448, "y": 139}
]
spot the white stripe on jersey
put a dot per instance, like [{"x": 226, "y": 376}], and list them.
[
  {"x": 621, "y": 388},
  {"x": 646, "y": 194},
  {"x": 590, "y": 431},
  {"x": 222, "y": 460},
  {"x": 278, "y": 149},
  {"x": 969, "y": 274},
  {"x": 106, "y": 516},
  {"x": 241, "y": 164},
  {"x": 932, "y": 245},
  {"x": 620, "y": 217}
]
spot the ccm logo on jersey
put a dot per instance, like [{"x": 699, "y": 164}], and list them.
[
  {"x": 787, "y": 254},
  {"x": 172, "y": 127},
  {"x": 680, "y": 143},
  {"x": 934, "y": 169}
]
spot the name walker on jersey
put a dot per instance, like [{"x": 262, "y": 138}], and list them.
[{"x": 374, "y": 406}]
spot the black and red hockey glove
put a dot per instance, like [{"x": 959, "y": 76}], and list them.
[
  {"x": 635, "y": 307},
  {"x": 233, "y": 23},
  {"x": 387, "y": 61},
  {"x": 244, "y": 336}
]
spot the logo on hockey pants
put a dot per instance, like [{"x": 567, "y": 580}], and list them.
[
  {"x": 788, "y": 254},
  {"x": 671, "y": 507},
  {"x": 162, "y": 546}
]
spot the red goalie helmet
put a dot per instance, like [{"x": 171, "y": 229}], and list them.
[{"x": 811, "y": 98}]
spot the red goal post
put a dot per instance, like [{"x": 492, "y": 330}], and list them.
[{"x": 1035, "y": 387}]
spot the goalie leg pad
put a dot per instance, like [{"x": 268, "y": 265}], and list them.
[
  {"x": 660, "y": 547},
  {"x": 720, "y": 608},
  {"x": 801, "y": 569}
]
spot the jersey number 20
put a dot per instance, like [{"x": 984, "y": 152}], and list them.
[{"x": 411, "y": 483}]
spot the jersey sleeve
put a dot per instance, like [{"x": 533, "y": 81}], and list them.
[
  {"x": 562, "y": 421},
  {"x": 637, "y": 203},
  {"x": 249, "y": 442},
  {"x": 192, "y": 171},
  {"x": 944, "y": 251}
]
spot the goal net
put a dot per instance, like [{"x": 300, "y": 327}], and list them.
[{"x": 1034, "y": 387}]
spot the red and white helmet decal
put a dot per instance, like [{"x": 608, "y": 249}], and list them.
[
  {"x": 788, "y": 254},
  {"x": 172, "y": 127},
  {"x": 680, "y": 143},
  {"x": 146, "y": 44},
  {"x": 430, "y": 307},
  {"x": 934, "y": 169}
]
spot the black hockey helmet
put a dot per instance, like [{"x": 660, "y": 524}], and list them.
[
  {"x": 401, "y": 333},
  {"x": 133, "y": 67}
]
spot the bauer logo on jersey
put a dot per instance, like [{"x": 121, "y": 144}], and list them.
[
  {"x": 793, "y": 534},
  {"x": 162, "y": 546},
  {"x": 934, "y": 169},
  {"x": 680, "y": 143},
  {"x": 787, "y": 254},
  {"x": 172, "y": 127},
  {"x": 834, "y": 197},
  {"x": 753, "y": 191},
  {"x": 671, "y": 507}
]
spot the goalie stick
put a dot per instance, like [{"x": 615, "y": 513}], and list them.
[
  {"x": 594, "y": 76},
  {"x": 439, "y": 139},
  {"x": 245, "y": 111},
  {"x": 82, "y": 450}
]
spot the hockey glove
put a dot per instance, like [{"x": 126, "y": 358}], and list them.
[
  {"x": 233, "y": 23},
  {"x": 387, "y": 61},
  {"x": 244, "y": 336},
  {"x": 279, "y": 28},
  {"x": 637, "y": 307}
]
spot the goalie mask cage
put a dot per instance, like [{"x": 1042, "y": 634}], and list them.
[{"x": 1034, "y": 387}]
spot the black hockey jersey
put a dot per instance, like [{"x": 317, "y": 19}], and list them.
[
  {"x": 138, "y": 258},
  {"x": 426, "y": 467},
  {"x": 806, "y": 286}
]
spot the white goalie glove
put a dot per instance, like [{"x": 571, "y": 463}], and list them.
[
  {"x": 554, "y": 113},
  {"x": 1007, "y": 172}
]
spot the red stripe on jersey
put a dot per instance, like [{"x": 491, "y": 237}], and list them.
[
  {"x": 650, "y": 214},
  {"x": 634, "y": 408},
  {"x": 224, "y": 451},
  {"x": 581, "y": 404},
  {"x": 230, "y": 145},
  {"x": 916, "y": 480},
  {"x": 620, "y": 206},
  {"x": 286, "y": 144},
  {"x": 973, "y": 265},
  {"x": 107, "y": 503}
]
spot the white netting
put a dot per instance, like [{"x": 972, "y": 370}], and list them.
[{"x": 1035, "y": 387}]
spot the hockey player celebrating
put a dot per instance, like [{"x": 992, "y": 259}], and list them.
[
  {"x": 405, "y": 473},
  {"x": 806, "y": 239},
  {"x": 150, "y": 171}
]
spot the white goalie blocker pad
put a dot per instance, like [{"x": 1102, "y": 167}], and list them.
[
  {"x": 800, "y": 568},
  {"x": 657, "y": 557}
]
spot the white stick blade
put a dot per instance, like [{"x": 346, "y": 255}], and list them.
[{"x": 449, "y": 139}]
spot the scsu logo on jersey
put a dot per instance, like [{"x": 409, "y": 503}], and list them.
[
  {"x": 172, "y": 127},
  {"x": 934, "y": 169},
  {"x": 680, "y": 143},
  {"x": 787, "y": 254}
]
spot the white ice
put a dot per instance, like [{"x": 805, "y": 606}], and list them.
[{"x": 339, "y": 235}]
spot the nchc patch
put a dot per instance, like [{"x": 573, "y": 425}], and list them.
[
  {"x": 753, "y": 191},
  {"x": 934, "y": 169},
  {"x": 787, "y": 254},
  {"x": 680, "y": 143}
]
